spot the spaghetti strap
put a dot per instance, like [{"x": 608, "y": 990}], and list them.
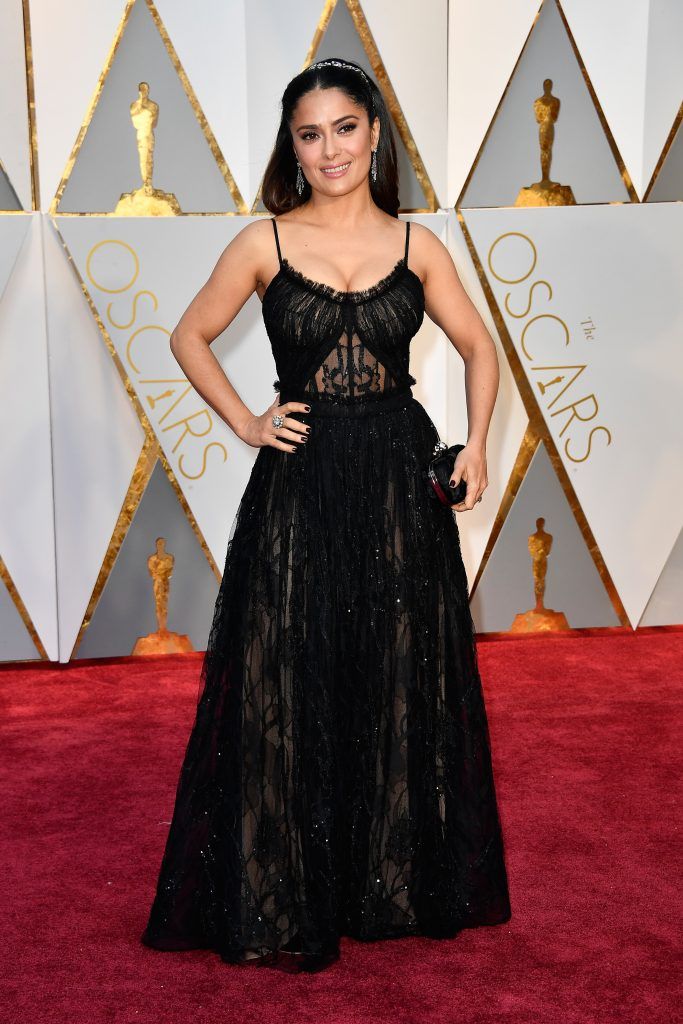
[
  {"x": 405, "y": 255},
  {"x": 277, "y": 239}
]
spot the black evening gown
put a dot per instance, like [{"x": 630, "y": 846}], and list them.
[{"x": 337, "y": 778}]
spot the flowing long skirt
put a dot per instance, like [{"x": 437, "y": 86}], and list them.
[{"x": 338, "y": 778}]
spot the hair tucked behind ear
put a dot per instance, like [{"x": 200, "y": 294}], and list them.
[{"x": 279, "y": 192}]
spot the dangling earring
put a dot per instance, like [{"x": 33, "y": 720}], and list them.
[
  {"x": 299, "y": 178},
  {"x": 373, "y": 165}
]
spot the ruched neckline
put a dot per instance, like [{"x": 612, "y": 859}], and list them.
[{"x": 336, "y": 294}]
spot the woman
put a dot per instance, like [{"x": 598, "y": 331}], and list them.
[{"x": 338, "y": 779}]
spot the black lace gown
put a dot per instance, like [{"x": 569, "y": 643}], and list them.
[{"x": 338, "y": 778}]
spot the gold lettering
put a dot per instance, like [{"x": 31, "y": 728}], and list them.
[
  {"x": 113, "y": 262},
  {"x": 518, "y": 316},
  {"x": 543, "y": 316},
  {"x": 527, "y": 254},
  {"x": 143, "y": 330},
  {"x": 595, "y": 430},
  {"x": 124, "y": 327},
  {"x": 575, "y": 414},
  {"x": 177, "y": 402},
  {"x": 188, "y": 429},
  {"x": 559, "y": 378},
  {"x": 162, "y": 394},
  {"x": 512, "y": 280},
  {"x": 196, "y": 476}
]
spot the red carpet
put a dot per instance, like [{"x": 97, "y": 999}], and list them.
[{"x": 585, "y": 751}]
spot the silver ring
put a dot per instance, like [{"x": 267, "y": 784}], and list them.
[{"x": 278, "y": 419}]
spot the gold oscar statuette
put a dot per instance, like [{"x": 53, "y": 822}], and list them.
[
  {"x": 160, "y": 567},
  {"x": 146, "y": 201},
  {"x": 539, "y": 619},
  {"x": 546, "y": 192}
]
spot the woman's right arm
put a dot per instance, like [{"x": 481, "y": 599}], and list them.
[{"x": 234, "y": 278}]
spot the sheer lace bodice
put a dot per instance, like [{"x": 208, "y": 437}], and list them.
[{"x": 327, "y": 341}]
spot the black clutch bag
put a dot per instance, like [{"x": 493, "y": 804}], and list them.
[{"x": 438, "y": 473}]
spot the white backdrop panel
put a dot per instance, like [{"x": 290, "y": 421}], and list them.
[
  {"x": 97, "y": 438},
  {"x": 596, "y": 318},
  {"x": 141, "y": 274},
  {"x": 508, "y": 423},
  {"x": 26, "y": 500}
]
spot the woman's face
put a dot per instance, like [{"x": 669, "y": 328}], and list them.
[{"x": 330, "y": 131}]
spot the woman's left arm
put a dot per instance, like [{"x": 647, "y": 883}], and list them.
[{"x": 449, "y": 306}]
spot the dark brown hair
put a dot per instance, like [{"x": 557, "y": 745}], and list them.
[{"x": 279, "y": 192}]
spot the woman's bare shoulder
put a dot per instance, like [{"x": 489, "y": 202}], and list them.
[
  {"x": 253, "y": 238},
  {"x": 424, "y": 238},
  {"x": 252, "y": 249},
  {"x": 426, "y": 250}
]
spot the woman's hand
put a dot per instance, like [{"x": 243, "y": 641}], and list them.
[
  {"x": 470, "y": 465},
  {"x": 259, "y": 430}
]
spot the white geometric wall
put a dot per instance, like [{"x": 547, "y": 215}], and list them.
[{"x": 105, "y": 446}]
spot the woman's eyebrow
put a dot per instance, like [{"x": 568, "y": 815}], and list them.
[{"x": 299, "y": 127}]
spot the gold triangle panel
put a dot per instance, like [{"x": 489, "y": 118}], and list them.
[
  {"x": 20, "y": 640},
  {"x": 527, "y": 449},
  {"x": 126, "y": 609},
  {"x": 144, "y": 467},
  {"x": 145, "y": 147},
  {"x": 665, "y": 607},
  {"x": 666, "y": 184},
  {"x": 540, "y": 556},
  {"x": 548, "y": 142},
  {"x": 9, "y": 200}
]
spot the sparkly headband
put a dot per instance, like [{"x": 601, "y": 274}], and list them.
[{"x": 338, "y": 64}]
